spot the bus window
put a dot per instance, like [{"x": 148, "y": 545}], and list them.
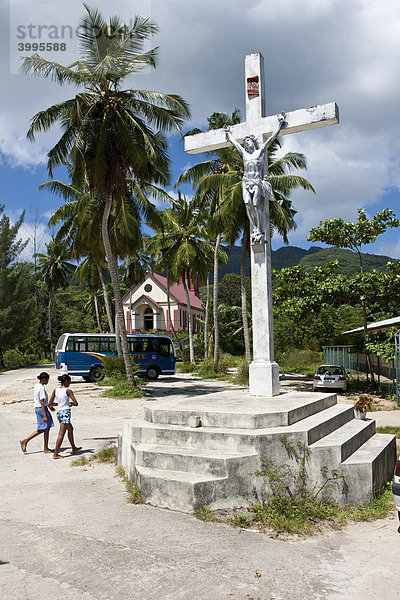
[
  {"x": 164, "y": 348},
  {"x": 93, "y": 344},
  {"x": 79, "y": 344},
  {"x": 149, "y": 345},
  {"x": 112, "y": 345},
  {"x": 137, "y": 346},
  {"x": 104, "y": 345},
  {"x": 70, "y": 344}
]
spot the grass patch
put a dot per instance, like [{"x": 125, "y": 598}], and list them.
[
  {"x": 389, "y": 429},
  {"x": 185, "y": 367},
  {"x": 305, "y": 362},
  {"x": 121, "y": 389},
  {"x": 133, "y": 491},
  {"x": 378, "y": 508},
  {"x": 105, "y": 455},
  {"x": 293, "y": 504},
  {"x": 242, "y": 375},
  {"x": 203, "y": 513},
  {"x": 308, "y": 517}
]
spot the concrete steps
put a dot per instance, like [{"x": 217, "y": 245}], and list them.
[
  {"x": 340, "y": 444},
  {"x": 180, "y": 466},
  {"x": 243, "y": 413},
  {"x": 370, "y": 466},
  {"x": 184, "y": 459}
]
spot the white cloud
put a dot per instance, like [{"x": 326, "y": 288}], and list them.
[
  {"x": 17, "y": 151},
  {"x": 315, "y": 52}
]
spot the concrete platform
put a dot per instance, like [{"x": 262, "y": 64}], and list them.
[{"x": 181, "y": 465}]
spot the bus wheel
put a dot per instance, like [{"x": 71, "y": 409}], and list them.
[
  {"x": 152, "y": 373},
  {"x": 96, "y": 374}
]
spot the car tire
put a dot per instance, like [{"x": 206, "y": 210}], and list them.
[
  {"x": 152, "y": 373},
  {"x": 96, "y": 374}
]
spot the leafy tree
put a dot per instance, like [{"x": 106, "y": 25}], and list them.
[
  {"x": 10, "y": 246},
  {"x": 17, "y": 309},
  {"x": 230, "y": 289},
  {"x": 16, "y": 288},
  {"x": 354, "y": 236},
  {"x": 107, "y": 132}
]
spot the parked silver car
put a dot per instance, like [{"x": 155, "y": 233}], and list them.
[
  {"x": 396, "y": 488},
  {"x": 330, "y": 377}
]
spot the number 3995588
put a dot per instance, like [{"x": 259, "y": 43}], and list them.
[{"x": 42, "y": 47}]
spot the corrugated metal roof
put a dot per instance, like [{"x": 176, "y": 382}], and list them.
[{"x": 377, "y": 326}]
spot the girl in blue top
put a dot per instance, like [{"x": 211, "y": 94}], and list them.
[{"x": 65, "y": 399}]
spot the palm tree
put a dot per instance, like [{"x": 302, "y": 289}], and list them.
[
  {"x": 183, "y": 250},
  {"x": 80, "y": 231},
  {"x": 218, "y": 163},
  {"x": 87, "y": 272},
  {"x": 107, "y": 132},
  {"x": 55, "y": 271}
]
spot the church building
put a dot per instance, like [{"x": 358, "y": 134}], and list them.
[{"x": 146, "y": 306}]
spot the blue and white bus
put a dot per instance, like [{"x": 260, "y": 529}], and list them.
[{"x": 82, "y": 354}]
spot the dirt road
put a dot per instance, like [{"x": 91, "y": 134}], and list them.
[{"x": 68, "y": 532}]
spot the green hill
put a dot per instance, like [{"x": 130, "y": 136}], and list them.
[
  {"x": 289, "y": 256},
  {"x": 349, "y": 261}
]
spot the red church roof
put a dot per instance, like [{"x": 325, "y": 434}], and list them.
[{"x": 178, "y": 291}]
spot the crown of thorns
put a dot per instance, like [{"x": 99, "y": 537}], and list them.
[{"x": 252, "y": 138}]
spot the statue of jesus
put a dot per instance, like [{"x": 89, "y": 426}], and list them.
[{"x": 255, "y": 186}]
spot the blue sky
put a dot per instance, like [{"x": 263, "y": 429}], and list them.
[{"x": 315, "y": 52}]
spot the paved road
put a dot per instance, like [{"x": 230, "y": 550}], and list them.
[{"x": 67, "y": 533}]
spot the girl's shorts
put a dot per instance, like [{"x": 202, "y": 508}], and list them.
[
  {"x": 64, "y": 416},
  {"x": 39, "y": 418}
]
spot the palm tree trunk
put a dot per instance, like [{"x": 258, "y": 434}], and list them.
[
  {"x": 243, "y": 293},
  {"x": 189, "y": 309},
  {"x": 49, "y": 314},
  {"x": 119, "y": 312},
  {"x": 96, "y": 308},
  {"x": 106, "y": 298},
  {"x": 171, "y": 324},
  {"x": 206, "y": 319},
  {"x": 130, "y": 309},
  {"x": 365, "y": 323},
  {"x": 118, "y": 339},
  {"x": 215, "y": 299}
]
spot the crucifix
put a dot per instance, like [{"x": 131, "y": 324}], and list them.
[{"x": 258, "y": 132}]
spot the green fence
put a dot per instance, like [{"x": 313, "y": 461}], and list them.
[{"x": 387, "y": 373}]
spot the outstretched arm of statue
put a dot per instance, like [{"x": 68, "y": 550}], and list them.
[
  {"x": 232, "y": 140},
  {"x": 281, "y": 122}
]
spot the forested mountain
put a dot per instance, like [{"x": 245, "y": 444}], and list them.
[{"x": 289, "y": 256}]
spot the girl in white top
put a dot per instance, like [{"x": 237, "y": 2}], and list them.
[
  {"x": 65, "y": 399},
  {"x": 43, "y": 416}
]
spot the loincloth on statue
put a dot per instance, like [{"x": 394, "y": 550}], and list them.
[{"x": 251, "y": 185}]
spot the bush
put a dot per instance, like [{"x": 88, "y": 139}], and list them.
[
  {"x": 122, "y": 389},
  {"x": 242, "y": 376},
  {"x": 185, "y": 367},
  {"x": 300, "y": 361},
  {"x": 14, "y": 359},
  {"x": 114, "y": 366}
]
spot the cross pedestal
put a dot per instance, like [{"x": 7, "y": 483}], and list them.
[{"x": 264, "y": 371}]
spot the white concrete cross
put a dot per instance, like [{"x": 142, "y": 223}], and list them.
[{"x": 264, "y": 371}]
